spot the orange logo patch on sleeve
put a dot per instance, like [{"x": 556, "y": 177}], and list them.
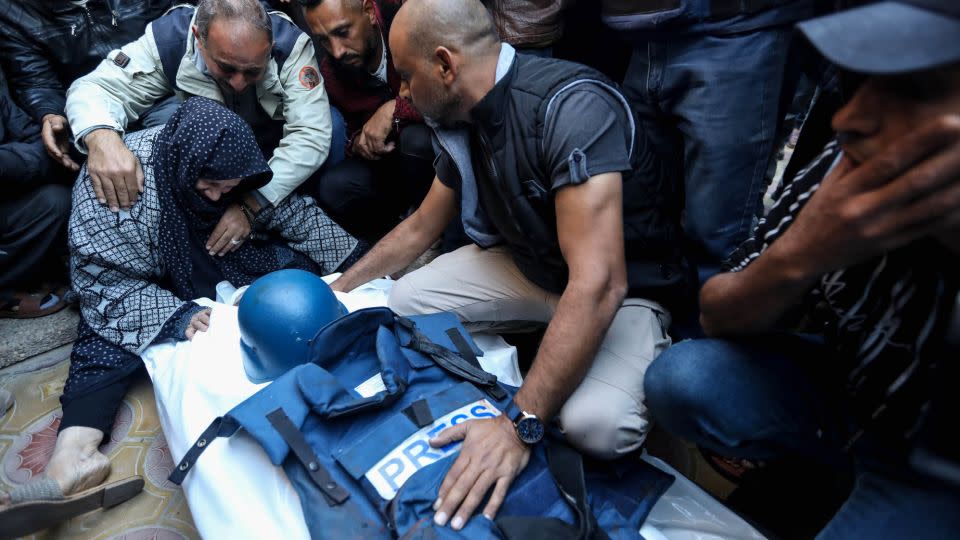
[{"x": 309, "y": 77}]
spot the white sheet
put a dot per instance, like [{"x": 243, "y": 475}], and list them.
[{"x": 234, "y": 491}]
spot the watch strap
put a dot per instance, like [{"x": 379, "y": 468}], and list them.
[{"x": 513, "y": 411}]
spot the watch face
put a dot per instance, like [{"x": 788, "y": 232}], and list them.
[{"x": 530, "y": 429}]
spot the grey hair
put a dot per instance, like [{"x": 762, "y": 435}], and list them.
[{"x": 250, "y": 11}]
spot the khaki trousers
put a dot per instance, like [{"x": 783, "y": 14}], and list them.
[{"x": 605, "y": 416}]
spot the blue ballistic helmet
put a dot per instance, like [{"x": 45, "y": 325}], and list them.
[{"x": 279, "y": 316}]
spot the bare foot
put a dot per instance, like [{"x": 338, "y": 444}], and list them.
[{"x": 76, "y": 464}]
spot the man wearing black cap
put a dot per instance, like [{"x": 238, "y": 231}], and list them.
[{"x": 861, "y": 248}]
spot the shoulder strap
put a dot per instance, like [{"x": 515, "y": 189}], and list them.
[
  {"x": 453, "y": 363},
  {"x": 170, "y": 33},
  {"x": 566, "y": 467},
  {"x": 220, "y": 427},
  {"x": 285, "y": 36},
  {"x": 334, "y": 493}
]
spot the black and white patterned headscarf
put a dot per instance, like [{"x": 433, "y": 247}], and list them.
[{"x": 205, "y": 140}]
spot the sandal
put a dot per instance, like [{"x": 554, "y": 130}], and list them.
[
  {"x": 25, "y": 305},
  {"x": 733, "y": 469},
  {"x": 26, "y": 517}
]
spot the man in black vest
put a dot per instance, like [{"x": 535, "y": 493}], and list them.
[{"x": 572, "y": 227}]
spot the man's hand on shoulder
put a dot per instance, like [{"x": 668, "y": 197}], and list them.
[
  {"x": 491, "y": 457},
  {"x": 115, "y": 172},
  {"x": 372, "y": 142}
]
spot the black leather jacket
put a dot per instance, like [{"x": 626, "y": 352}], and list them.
[
  {"x": 47, "y": 44},
  {"x": 23, "y": 161}
]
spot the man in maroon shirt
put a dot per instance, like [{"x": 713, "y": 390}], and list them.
[{"x": 389, "y": 154}]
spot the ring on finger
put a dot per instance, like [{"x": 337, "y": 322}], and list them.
[{"x": 235, "y": 241}]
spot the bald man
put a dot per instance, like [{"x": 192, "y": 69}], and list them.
[{"x": 572, "y": 228}]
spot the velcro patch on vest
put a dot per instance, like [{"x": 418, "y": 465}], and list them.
[
  {"x": 371, "y": 387},
  {"x": 414, "y": 453},
  {"x": 309, "y": 77},
  {"x": 121, "y": 59}
]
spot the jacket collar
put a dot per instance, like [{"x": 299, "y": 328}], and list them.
[{"x": 488, "y": 112}]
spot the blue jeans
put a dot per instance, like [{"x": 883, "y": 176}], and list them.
[
  {"x": 338, "y": 152},
  {"x": 764, "y": 399},
  {"x": 338, "y": 139},
  {"x": 713, "y": 104}
]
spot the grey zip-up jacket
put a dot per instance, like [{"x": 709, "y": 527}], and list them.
[{"x": 113, "y": 96}]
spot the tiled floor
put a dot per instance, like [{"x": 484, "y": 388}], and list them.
[{"x": 28, "y": 432}]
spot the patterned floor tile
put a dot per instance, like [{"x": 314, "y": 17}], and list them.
[{"x": 136, "y": 446}]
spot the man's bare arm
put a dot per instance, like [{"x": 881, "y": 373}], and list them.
[
  {"x": 590, "y": 231},
  {"x": 756, "y": 298},
  {"x": 406, "y": 241}
]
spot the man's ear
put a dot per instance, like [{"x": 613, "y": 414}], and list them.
[
  {"x": 447, "y": 64},
  {"x": 370, "y": 11},
  {"x": 196, "y": 34}
]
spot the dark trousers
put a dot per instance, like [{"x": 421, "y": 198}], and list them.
[
  {"x": 714, "y": 104},
  {"x": 33, "y": 237},
  {"x": 369, "y": 198},
  {"x": 98, "y": 408},
  {"x": 766, "y": 400},
  {"x": 100, "y": 375}
]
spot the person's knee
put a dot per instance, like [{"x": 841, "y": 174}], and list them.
[
  {"x": 604, "y": 429},
  {"x": 52, "y": 204},
  {"x": 677, "y": 376},
  {"x": 404, "y": 299},
  {"x": 680, "y": 386},
  {"x": 340, "y": 187},
  {"x": 330, "y": 191},
  {"x": 416, "y": 141}
]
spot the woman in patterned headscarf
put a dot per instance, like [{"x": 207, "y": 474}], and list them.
[{"x": 136, "y": 273}]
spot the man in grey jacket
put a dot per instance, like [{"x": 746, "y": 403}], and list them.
[{"x": 258, "y": 64}]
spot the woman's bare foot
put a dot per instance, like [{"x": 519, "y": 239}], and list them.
[{"x": 76, "y": 464}]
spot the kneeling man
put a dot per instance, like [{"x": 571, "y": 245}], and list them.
[
  {"x": 571, "y": 227},
  {"x": 860, "y": 252}
]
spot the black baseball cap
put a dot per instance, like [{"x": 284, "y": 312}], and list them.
[{"x": 889, "y": 37}]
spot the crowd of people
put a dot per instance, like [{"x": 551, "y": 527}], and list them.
[{"x": 162, "y": 148}]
